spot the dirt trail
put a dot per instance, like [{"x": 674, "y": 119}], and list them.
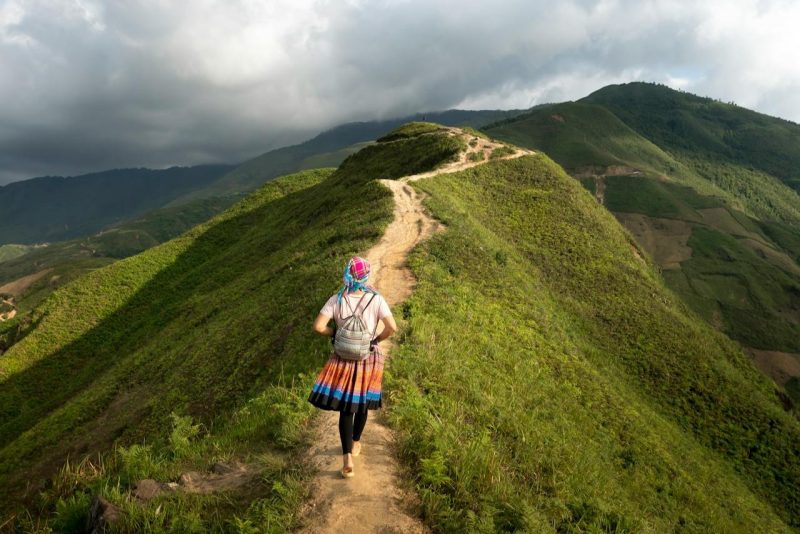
[{"x": 373, "y": 500}]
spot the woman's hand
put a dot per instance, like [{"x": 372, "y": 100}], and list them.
[{"x": 321, "y": 325}]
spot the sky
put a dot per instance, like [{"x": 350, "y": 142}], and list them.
[{"x": 88, "y": 85}]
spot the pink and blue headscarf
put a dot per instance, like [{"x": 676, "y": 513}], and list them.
[{"x": 356, "y": 274}]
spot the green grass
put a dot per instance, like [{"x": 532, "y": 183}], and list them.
[
  {"x": 755, "y": 300},
  {"x": 331, "y": 159},
  {"x": 411, "y": 129},
  {"x": 756, "y": 192},
  {"x": 501, "y": 152},
  {"x": 589, "y": 184},
  {"x": 793, "y": 389},
  {"x": 157, "y": 226},
  {"x": 196, "y": 326},
  {"x": 578, "y": 135},
  {"x": 546, "y": 380},
  {"x": 786, "y": 236},
  {"x": 636, "y": 194},
  {"x": 476, "y": 156},
  {"x": 749, "y": 296}
]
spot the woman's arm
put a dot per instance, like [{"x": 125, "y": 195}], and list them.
[
  {"x": 321, "y": 325},
  {"x": 389, "y": 328}
]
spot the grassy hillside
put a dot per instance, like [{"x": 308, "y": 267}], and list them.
[
  {"x": 29, "y": 278},
  {"x": 722, "y": 234},
  {"x": 754, "y": 157},
  {"x": 548, "y": 381},
  {"x": 55, "y": 208},
  {"x": 544, "y": 378},
  {"x": 213, "y": 325}
]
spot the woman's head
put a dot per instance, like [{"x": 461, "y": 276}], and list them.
[{"x": 356, "y": 274}]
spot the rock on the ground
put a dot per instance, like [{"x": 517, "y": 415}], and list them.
[
  {"x": 191, "y": 480},
  {"x": 102, "y": 514},
  {"x": 148, "y": 488},
  {"x": 221, "y": 468}
]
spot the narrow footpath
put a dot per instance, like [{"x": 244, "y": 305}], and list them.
[{"x": 373, "y": 501}]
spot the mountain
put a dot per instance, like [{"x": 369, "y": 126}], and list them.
[
  {"x": 330, "y": 148},
  {"x": 544, "y": 378},
  {"x": 51, "y": 209},
  {"x": 707, "y": 129},
  {"x": 55, "y": 208},
  {"x": 725, "y": 235}
]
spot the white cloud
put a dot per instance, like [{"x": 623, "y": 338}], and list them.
[{"x": 98, "y": 84}]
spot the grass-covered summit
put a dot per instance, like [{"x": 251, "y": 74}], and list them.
[{"x": 544, "y": 379}]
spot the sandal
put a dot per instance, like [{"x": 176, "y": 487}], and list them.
[
  {"x": 347, "y": 472},
  {"x": 356, "y": 448}
]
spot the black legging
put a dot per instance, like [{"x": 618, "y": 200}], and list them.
[{"x": 349, "y": 430}]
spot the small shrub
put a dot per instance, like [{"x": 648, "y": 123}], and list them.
[
  {"x": 183, "y": 432},
  {"x": 72, "y": 513},
  {"x": 138, "y": 461}
]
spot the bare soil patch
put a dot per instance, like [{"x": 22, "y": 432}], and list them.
[
  {"x": 664, "y": 239},
  {"x": 780, "y": 366},
  {"x": 18, "y": 286}
]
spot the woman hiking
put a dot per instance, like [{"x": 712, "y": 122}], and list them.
[{"x": 350, "y": 382}]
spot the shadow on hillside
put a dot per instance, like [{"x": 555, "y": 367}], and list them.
[{"x": 176, "y": 297}]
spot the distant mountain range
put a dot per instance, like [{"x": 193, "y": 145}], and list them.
[
  {"x": 54, "y": 208},
  {"x": 51, "y": 209}
]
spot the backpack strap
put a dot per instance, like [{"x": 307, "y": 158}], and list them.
[
  {"x": 374, "y": 330},
  {"x": 352, "y": 311}
]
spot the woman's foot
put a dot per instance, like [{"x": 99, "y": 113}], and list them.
[
  {"x": 356, "y": 448},
  {"x": 347, "y": 467}
]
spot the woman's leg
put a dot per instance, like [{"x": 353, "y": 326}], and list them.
[
  {"x": 346, "y": 431},
  {"x": 359, "y": 424},
  {"x": 358, "y": 428}
]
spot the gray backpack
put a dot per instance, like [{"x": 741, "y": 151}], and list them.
[{"x": 352, "y": 341}]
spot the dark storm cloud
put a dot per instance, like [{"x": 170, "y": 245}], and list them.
[{"x": 89, "y": 85}]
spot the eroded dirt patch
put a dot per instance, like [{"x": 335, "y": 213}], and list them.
[
  {"x": 780, "y": 366},
  {"x": 664, "y": 239},
  {"x": 18, "y": 286}
]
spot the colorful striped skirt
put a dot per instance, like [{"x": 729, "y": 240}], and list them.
[{"x": 349, "y": 386}]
